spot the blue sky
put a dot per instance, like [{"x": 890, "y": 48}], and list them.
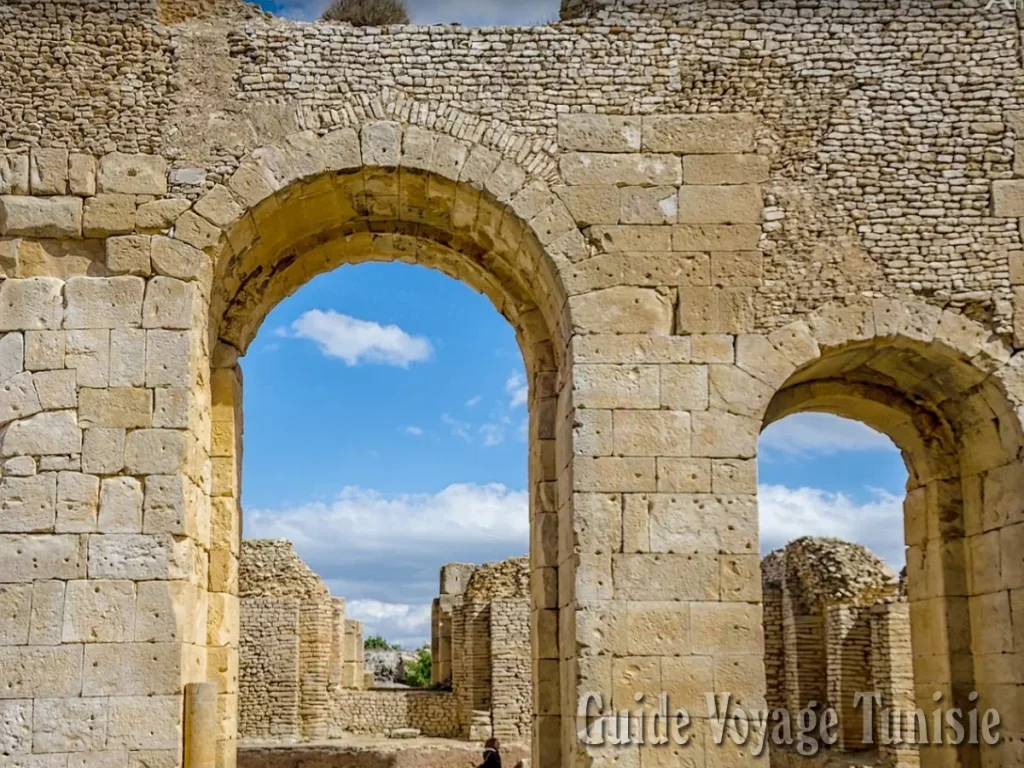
[
  {"x": 385, "y": 435},
  {"x": 467, "y": 12}
]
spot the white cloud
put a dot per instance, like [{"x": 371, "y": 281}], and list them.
[
  {"x": 473, "y": 401},
  {"x": 414, "y": 431},
  {"x": 405, "y": 623},
  {"x": 460, "y": 429},
  {"x": 494, "y": 434},
  {"x": 356, "y": 341},
  {"x": 822, "y": 433},
  {"x": 789, "y": 513},
  {"x": 366, "y": 521},
  {"x": 517, "y": 390}
]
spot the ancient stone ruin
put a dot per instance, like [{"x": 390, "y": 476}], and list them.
[
  {"x": 699, "y": 217},
  {"x": 301, "y": 662},
  {"x": 835, "y": 624}
]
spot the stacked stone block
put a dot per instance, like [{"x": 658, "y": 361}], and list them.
[
  {"x": 561, "y": 171},
  {"x": 291, "y": 645},
  {"x": 490, "y": 642},
  {"x": 433, "y": 713},
  {"x": 892, "y": 674}
]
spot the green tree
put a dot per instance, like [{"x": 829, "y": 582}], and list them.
[
  {"x": 367, "y": 13},
  {"x": 417, "y": 673},
  {"x": 378, "y": 643}
]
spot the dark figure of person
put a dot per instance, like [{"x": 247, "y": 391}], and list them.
[{"x": 492, "y": 759}]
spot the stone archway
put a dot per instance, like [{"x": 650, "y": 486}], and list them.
[
  {"x": 947, "y": 394},
  {"x": 386, "y": 193}
]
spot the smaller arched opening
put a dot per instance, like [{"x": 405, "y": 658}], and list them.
[{"x": 934, "y": 384}]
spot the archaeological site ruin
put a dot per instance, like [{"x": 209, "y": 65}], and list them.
[{"x": 699, "y": 217}]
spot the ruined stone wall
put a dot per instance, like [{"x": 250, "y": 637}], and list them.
[
  {"x": 862, "y": 191},
  {"x": 268, "y": 683},
  {"x": 892, "y": 673},
  {"x": 287, "y": 644},
  {"x": 433, "y": 713},
  {"x": 511, "y": 678},
  {"x": 491, "y": 673},
  {"x": 833, "y": 628},
  {"x": 848, "y": 653}
]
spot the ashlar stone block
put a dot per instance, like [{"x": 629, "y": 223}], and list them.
[
  {"x": 44, "y": 350},
  {"x": 623, "y": 309},
  {"x": 40, "y": 672},
  {"x": 78, "y": 498},
  {"x": 69, "y": 725},
  {"x": 99, "y": 611},
  {"x": 135, "y": 174},
  {"x": 34, "y": 304},
  {"x": 171, "y": 304},
  {"x": 12, "y": 355},
  {"x": 740, "y": 204},
  {"x": 143, "y": 723},
  {"x": 599, "y": 133},
  {"x": 107, "y": 215},
  {"x": 16, "y": 726},
  {"x": 725, "y": 169},
  {"x": 140, "y": 557},
  {"x": 642, "y": 170},
  {"x": 57, "y": 390},
  {"x": 47, "y": 613},
  {"x": 48, "y": 171},
  {"x": 88, "y": 352},
  {"x": 119, "y": 407},
  {"x": 156, "y": 451},
  {"x": 18, "y": 398},
  {"x": 27, "y": 557},
  {"x": 132, "y": 669},
  {"x": 699, "y": 134},
  {"x": 16, "y": 609},
  {"x": 40, "y": 216},
  {"x": 55, "y": 433},
  {"x": 104, "y": 302},
  {"x": 121, "y": 500}
]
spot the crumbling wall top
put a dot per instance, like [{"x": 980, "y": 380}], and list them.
[
  {"x": 271, "y": 568},
  {"x": 828, "y": 571},
  {"x": 506, "y": 580}
]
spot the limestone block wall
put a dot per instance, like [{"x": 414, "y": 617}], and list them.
[
  {"x": 294, "y": 640},
  {"x": 490, "y": 646},
  {"x": 848, "y": 669},
  {"x": 774, "y": 647},
  {"x": 698, "y": 217},
  {"x": 837, "y": 624},
  {"x": 434, "y": 713},
  {"x": 268, "y": 686},
  {"x": 511, "y": 679},
  {"x": 892, "y": 674}
]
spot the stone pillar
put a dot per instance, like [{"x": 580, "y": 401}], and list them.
[
  {"x": 892, "y": 676},
  {"x": 848, "y": 660},
  {"x": 352, "y": 674},
  {"x": 337, "y": 662},
  {"x": 200, "y": 725},
  {"x": 774, "y": 648}
]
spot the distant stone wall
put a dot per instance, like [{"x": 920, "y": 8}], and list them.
[
  {"x": 511, "y": 692},
  {"x": 268, "y": 683},
  {"x": 835, "y": 625},
  {"x": 295, "y": 645},
  {"x": 481, "y": 630},
  {"x": 433, "y": 713}
]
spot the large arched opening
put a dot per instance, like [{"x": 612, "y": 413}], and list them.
[{"x": 389, "y": 193}]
